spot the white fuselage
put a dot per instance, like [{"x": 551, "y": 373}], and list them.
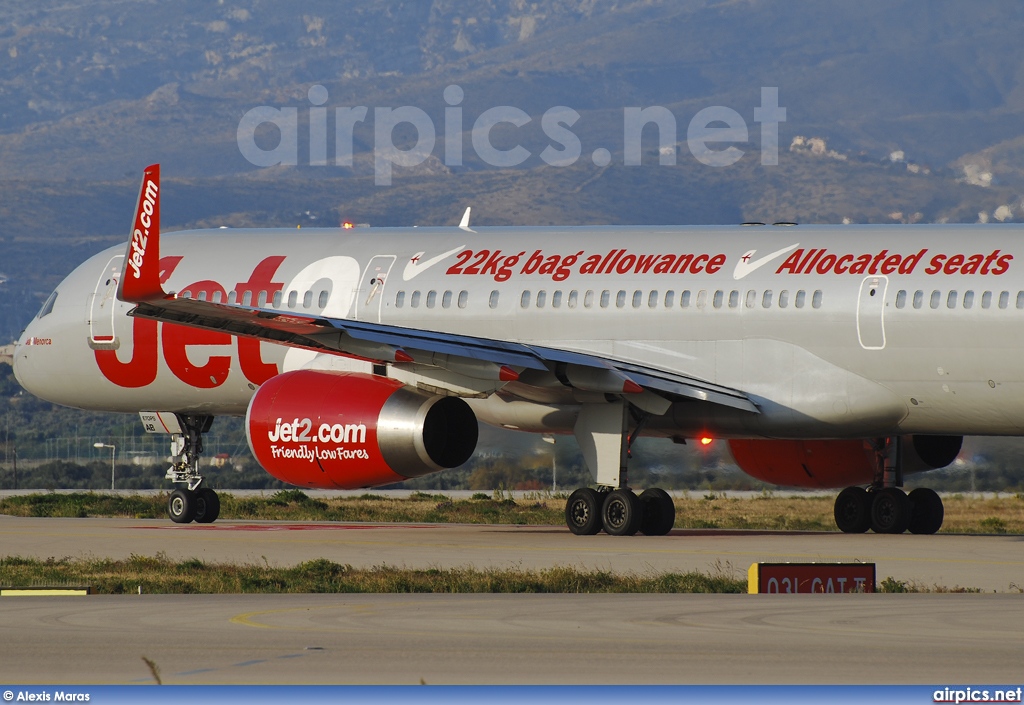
[{"x": 832, "y": 331}]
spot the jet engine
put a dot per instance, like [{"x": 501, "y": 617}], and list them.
[
  {"x": 835, "y": 463},
  {"x": 349, "y": 430}
]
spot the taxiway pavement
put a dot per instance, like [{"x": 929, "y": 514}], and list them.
[
  {"x": 571, "y": 639},
  {"x": 989, "y": 563}
]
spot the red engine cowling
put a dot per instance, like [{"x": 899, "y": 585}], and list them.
[
  {"x": 350, "y": 430},
  {"x": 805, "y": 463}
]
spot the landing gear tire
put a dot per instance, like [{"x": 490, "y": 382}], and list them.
[
  {"x": 583, "y": 512},
  {"x": 207, "y": 506},
  {"x": 890, "y": 511},
  {"x": 853, "y": 510},
  {"x": 659, "y": 512},
  {"x": 622, "y": 513},
  {"x": 181, "y": 506},
  {"x": 926, "y": 511}
]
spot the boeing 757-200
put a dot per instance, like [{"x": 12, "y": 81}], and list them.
[{"x": 826, "y": 356}]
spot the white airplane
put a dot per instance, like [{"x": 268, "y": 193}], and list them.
[{"x": 827, "y": 356}]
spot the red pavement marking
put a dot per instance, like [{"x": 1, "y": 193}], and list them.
[{"x": 284, "y": 527}]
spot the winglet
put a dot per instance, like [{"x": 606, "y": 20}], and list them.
[
  {"x": 140, "y": 278},
  {"x": 465, "y": 217}
]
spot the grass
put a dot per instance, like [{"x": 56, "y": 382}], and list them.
[
  {"x": 964, "y": 514},
  {"x": 192, "y": 576}
]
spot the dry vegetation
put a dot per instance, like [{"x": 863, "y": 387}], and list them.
[
  {"x": 161, "y": 575},
  {"x": 964, "y": 514}
]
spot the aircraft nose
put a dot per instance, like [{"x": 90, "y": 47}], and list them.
[{"x": 25, "y": 363}]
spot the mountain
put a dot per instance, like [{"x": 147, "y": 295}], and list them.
[{"x": 906, "y": 110}]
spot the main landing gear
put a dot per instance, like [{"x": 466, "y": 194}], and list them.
[
  {"x": 884, "y": 507},
  {"x": 194, "y": 502},
  {"x": 603, "y": 434}
]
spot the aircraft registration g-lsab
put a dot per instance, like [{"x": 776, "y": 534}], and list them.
[{"x": 832, "y": 356}]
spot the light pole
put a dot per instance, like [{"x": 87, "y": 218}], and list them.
[{"x": 113, "y": 450}]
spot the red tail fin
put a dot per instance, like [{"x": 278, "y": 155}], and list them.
[{"x": 140, "y": 278}]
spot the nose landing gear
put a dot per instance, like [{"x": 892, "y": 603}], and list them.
[{"x": 194, "y": 502}]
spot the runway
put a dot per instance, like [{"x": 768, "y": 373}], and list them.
[
  {"x": 568, "y": 639},
  {"x": 989, "y": 563},
  {"x": 571, "y": 639}
]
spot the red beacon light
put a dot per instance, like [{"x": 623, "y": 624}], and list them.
[
  {"x": 348, "y": 224},
  {"x": 706, "y": 440}
]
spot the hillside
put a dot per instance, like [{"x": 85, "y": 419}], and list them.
[{"x": 898, "y": 111}]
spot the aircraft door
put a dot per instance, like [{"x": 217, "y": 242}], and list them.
[
  {"x": 103, "y": 305},
  {"x": 370, "y": 295},
  {"x": 871, "y": 313}
]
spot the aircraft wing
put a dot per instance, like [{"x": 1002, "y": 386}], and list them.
[
  {"x": 387, "y": 343},
  {"x": 483, "y": 358}
]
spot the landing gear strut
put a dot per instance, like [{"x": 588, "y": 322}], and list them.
[
  {"x": 885, "y": 508},
  {"x": 194, "y": 502},
  {"x": 602, "y": 430}
]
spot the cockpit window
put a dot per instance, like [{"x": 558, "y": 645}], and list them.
[{"x": 48, "y": 306}]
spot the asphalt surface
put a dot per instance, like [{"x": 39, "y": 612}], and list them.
[
  {"x": 571, "y": 639},
  {"x": 567, "y": 639},
  {"x": 989, "y": 563}
]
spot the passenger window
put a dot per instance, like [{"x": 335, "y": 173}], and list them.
[
  {"x": 901, "y": 298},
  {"x": 1020, "y": 299},
  {"x": 766, "y": 300},
  {"x": 968, "y": 299},
  {"x": 307, "y": 299},
  {"x": 951, "y": 299},
  {"x": 1004, "y": 299},
  {"x": 652, "y": 300},
  {"x": 463, "y": 299},
  {"x": 322, "y": 302},
  {"x": 638, "y": 298},
  {"x": 415, "y": 300},
  {"x": 233, "y": 297},
  {"x": 801, "y": 296},
  {"x": 261, "y": 300},
  {"x": 202, "y": 296},
  {"x": 986, "y": 300},
  {"x": 783, "y": 299},
  {"x": 493, "y": 300},
  {"x": 277, "y": 298},
  {"x": 718, "y": 299},
  {"x": 734, "y": 299},
  {"x": 573, "y": 298},
  {"x": 702, "y": 298},
  {"x": 431, "y": 298},
  {"x": 400, "y": 299},
  {"x": 293, "y": 298},
  {"x": 446, "y": 299},
  {"x": 751, "y": 300},
  {"x": 524, "y": 300},
  {"x": 620, "y": 299},
  {"x": 918, "y": 299},
  {"x": 556, "y": 299},
  {"x": 816, "y": 299},
  {"x": 588, "y": 299},
  {"x": 670, "y": 299},
  {"x": 936, "y": 299},
  {"x": 684, "y": 299},
  {"x": 246, "y": 298},
  {"x": 605, "y": 298},
  {"x": 542, "y": 298}
]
